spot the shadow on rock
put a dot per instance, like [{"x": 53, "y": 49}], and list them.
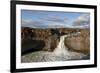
[{"x": 29, "y": 46}]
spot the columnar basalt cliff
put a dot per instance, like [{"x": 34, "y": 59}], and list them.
[{"x": 48, "y": 39}]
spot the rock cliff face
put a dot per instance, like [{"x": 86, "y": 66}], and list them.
[
  {"x": 48, "y": 39},
  {"x": 80, "y": 43}
]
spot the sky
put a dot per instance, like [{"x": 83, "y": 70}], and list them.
[{"x": 54, "y": 19}]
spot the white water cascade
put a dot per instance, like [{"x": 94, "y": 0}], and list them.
[{"x": 61, "y": 50}]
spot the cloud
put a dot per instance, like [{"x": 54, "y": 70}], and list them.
[
  {"x": 83, "y": 20},
  {"x": 41, "y": 24},
  {"x": 32, "y": 23},
  {"x": 55, "y": 19},
  {"x": 46, "y": 22}
]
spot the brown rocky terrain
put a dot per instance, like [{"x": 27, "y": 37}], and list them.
[
  {"x": 79, "y": 43},
  {"x": 48, "y": 39}
]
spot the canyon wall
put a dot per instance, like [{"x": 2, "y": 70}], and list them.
[{"x": 48, "y": 39}]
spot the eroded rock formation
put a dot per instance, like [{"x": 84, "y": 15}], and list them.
[{"x": 48, "y": 39}]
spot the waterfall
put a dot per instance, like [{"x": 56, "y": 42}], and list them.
[{"x": 61, "y": 48}]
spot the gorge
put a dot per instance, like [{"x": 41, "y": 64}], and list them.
[{"x": 54, "y": 44}]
